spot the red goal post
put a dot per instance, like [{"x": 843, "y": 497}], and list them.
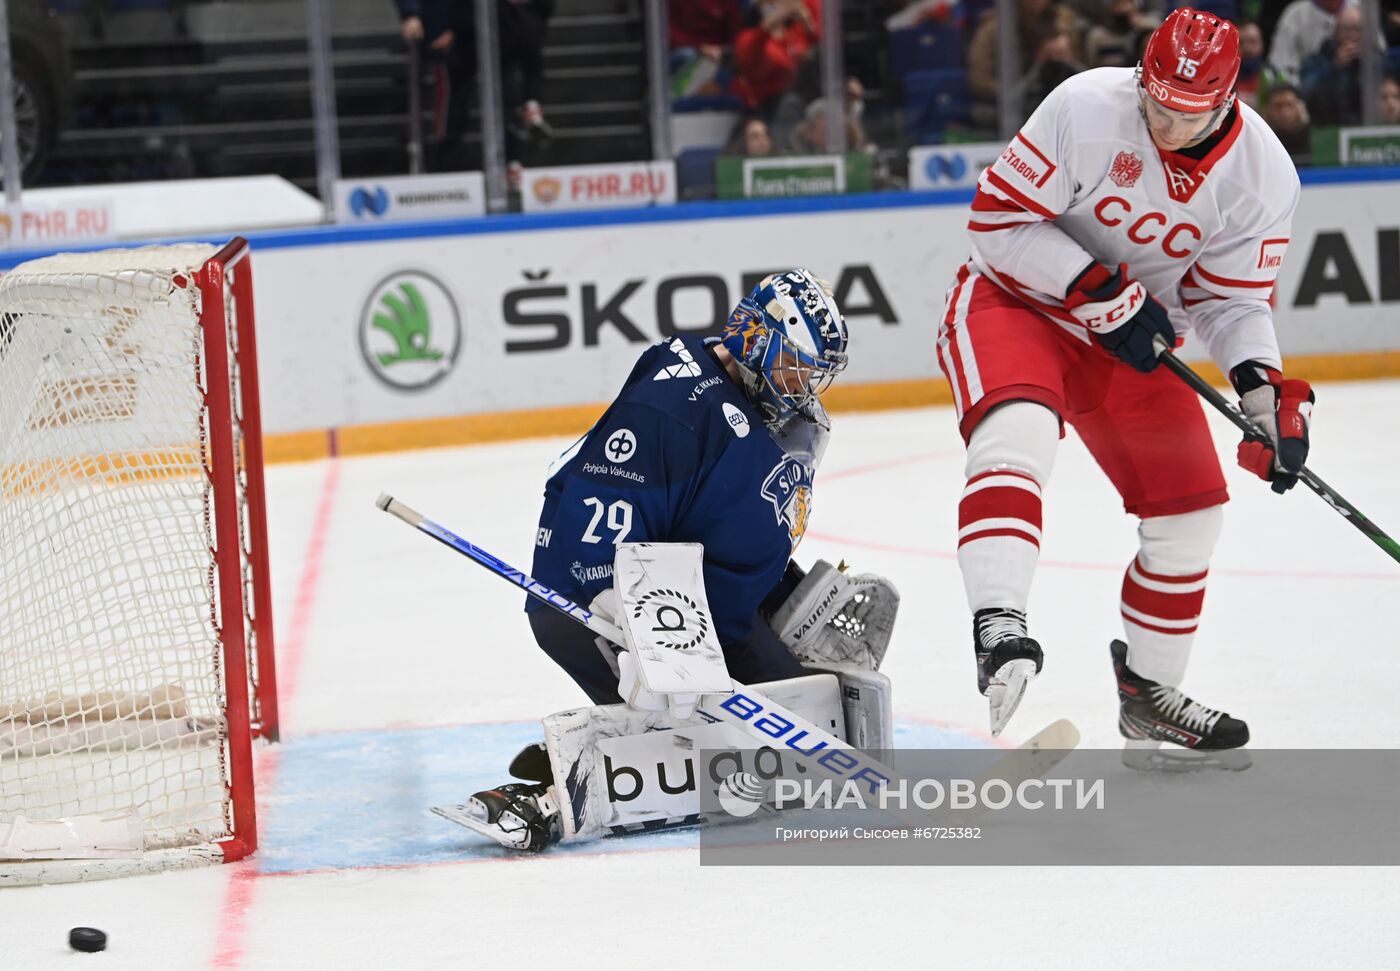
[{"x": 136, "y": 643}]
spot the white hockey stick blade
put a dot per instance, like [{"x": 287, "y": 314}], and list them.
[
  {"x": 1032, "y": 759},
  {"x": 1007, "y": 688}
]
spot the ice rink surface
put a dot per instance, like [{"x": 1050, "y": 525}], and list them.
[{"x": 409, "y": 678}]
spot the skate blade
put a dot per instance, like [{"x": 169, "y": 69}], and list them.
[
  {"x": 1006, "y": 689},
  {"x": 464, "y": 815},
  {"x": 1148, "y": 755}
]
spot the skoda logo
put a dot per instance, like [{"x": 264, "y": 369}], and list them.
[
  {"x": 369, "y": 202},
  {"x": 410, "y": 331}
]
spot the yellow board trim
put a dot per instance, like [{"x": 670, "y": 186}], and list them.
[{"x": 504, "y": 426}]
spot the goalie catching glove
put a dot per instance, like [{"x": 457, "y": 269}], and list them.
[
  {"x": 832, "y": 617},
  {"x": 1283, "y": 409}
]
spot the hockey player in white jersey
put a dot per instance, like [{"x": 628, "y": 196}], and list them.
[{"x": 1134, "y": 204}]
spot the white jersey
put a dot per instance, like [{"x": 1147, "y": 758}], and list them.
[{"x": 1083, "y": 182}]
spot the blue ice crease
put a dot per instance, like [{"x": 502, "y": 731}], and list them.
[{"x": 343, "y": 800}]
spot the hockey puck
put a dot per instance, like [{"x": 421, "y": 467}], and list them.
[{"x": 87, "y": 939}]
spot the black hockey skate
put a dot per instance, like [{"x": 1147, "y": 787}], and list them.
[
  {"x": 1150, "y": 713},
  {"x": 1007, "y": 660},
  {"x": 519, "y": 816}
]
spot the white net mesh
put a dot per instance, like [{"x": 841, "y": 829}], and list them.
[{"x": 111, "y": 681}]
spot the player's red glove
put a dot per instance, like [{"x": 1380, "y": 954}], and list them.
[
  {"x": 1283, "y": 408},
  {"x": 1120, "y": 314}
]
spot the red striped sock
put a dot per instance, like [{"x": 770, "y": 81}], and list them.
[
  {"x": 999, "y": 537},
  {"x": 1160, "y": 615}
]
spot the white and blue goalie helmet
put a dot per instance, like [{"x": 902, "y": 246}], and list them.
[{"x": 789, "y": 339}]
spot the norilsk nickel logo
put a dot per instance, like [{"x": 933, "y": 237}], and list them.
[{"x": 410, "y": 331}]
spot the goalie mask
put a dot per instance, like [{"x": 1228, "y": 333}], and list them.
[{"x": 789, "y": 340}]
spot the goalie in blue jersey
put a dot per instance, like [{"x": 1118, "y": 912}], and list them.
[{"x": 714, "y": 441}]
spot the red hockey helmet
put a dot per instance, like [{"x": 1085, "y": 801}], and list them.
[{"x": 1191, "y": 62}]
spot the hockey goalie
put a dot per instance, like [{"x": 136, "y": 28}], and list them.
[{"x": 675, "y": 519}]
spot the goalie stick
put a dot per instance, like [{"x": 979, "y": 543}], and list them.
[
  {"x": 761, "y": 718},
  {"x": 1241, "y": 421}
]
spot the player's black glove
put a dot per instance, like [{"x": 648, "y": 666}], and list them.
[{"x": 1120, "y": 314}]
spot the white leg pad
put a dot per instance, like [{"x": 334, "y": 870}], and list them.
[
  {"x": 867, "y": 705},
  {"x": 618, "y": 770}
]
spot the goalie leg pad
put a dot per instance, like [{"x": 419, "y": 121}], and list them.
[
  {"x": 618, "y": 770},
  {"x": 867, "y": 706}
]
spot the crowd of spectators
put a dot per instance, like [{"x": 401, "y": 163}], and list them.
[
  {"x": 761, "y": 57},
  {"x": 1300, "y": 59},
  {"x": 1300, "y": 64},
  {"x": 444, "y": 31}
]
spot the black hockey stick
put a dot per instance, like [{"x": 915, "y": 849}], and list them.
[{"x": 1329, "y": 495}]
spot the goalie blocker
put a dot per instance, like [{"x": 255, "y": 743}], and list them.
[{"x": 831, "y": 623}]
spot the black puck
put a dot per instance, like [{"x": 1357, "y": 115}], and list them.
[{"x": 87, "y": 939}]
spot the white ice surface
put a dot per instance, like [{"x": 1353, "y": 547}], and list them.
[{"x": 1298, "y": 637}]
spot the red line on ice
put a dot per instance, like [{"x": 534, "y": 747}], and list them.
[{"x": 238, "y": 898}]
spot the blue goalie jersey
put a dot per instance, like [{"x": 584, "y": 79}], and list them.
[{"x": 679, "y": 457}]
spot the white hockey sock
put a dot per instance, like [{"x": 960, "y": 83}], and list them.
[
  {"x": 1009, "y": 457},
  {"x": 1163, "y": 590}
]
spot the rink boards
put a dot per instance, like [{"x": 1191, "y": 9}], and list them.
[{"x": 376, "y": 338}]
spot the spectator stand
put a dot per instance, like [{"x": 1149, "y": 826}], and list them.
[{"x": 927, "y": 65}]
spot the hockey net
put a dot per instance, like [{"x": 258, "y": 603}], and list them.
[{"x": 135, "y": 617}]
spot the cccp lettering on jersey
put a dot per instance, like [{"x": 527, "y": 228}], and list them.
[{"x": 1146, "y": 229}]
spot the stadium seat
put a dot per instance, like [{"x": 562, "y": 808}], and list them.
[
  {"x": 932, "y": 99},
  {"x": 695, "y": 172},
  {"x": 1224, "y": 9},
  {"x": 707, "y": 102},
  {"x": 928, "y": 47}
]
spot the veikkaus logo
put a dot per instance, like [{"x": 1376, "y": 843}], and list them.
[{"x": 410, "y": 331}]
